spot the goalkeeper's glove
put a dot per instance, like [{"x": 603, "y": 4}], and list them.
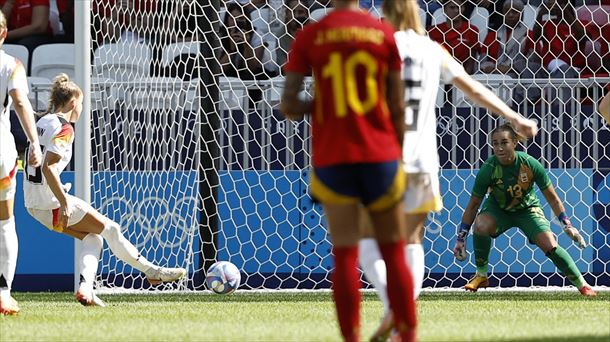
[
  {"x": 571, "y": 231},
  {"x": 459, "y": 250}
]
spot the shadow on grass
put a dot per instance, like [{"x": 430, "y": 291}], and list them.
[
  {"x": 511, "y": 296},
  {"x": 583, "y": 338}
]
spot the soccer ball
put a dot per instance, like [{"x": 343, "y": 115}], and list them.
[{"x": 223, "y": 277}]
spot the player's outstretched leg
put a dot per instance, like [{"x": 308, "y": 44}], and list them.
[
  {"x": 566, "y": 265},
  {"x": 89, "y": 259},
  {"x": 124, "y": 250},
  {"x": 8, "y": 261},
  {"x": 482, "y": 246}
]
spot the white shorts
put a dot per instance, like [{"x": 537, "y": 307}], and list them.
[
  {"x": 8, "y": 179},
  {"x": 422, "y": 194},
  {"x": 49, "y": 217}
]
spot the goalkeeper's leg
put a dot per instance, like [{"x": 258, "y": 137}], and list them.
[
  {"x": 485, "y": 225},
  {"x": 564, "y": 262}
]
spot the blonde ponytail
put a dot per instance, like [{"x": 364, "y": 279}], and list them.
[
  {"x": 62, "y": 92},
  {"x": 404, "y": 15}
]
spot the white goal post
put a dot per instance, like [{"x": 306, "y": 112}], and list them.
[{"x": 193, "y": 160}]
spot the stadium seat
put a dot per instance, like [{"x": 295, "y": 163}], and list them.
[
  {"x": 40, "y": 91},
  {"x": 438, "y": 17},
  {"x": 51, "y": 59},
  {"x": 260, "y": 21},
  {"x": 480, "y": 19},
  {"x": 171, "y": 51},
  {"x": 122, "y": 61},
  {"x": 18, "y": 51},
  {"x": 318, "y": 14},
  {"x": 528, "y": 16},
  {"x": 423, "y": 16},
  {"x": 600, "y": 15}
]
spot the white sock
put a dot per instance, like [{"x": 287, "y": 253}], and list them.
[
  {"x": 374, "y": 269},
  {"x": 89, "y": 259},
  {"x": 124, "y": 250},
  {"x": 415, "y": 258},
  {"x": 9, "y": 247}
]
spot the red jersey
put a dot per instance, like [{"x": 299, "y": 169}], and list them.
[
  {"x": 462, "y": 41},
  {"x": 557, "y": 42},
  {"x": 21, "y": 14},
  {"x": 350, "y": 53}
]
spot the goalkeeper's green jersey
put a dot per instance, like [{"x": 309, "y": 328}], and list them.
[{"x": 511, "y": 186}]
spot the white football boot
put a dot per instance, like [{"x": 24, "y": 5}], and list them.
[{"x": 160, "y": 275}]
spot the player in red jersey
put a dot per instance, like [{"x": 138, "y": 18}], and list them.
[{"x": 357, "y": 116}]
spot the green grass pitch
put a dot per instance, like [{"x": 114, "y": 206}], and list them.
[{"x": 280, "y": 316}]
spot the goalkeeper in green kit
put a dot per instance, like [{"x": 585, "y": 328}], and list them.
[{"x": 512, "y": 202}]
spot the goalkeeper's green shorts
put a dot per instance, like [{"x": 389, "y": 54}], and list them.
[{"x": 531, "y": 220}]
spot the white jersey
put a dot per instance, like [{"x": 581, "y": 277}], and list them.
[
  {"x": 12, "y": 76},
  {"x": 55, "y": 135},
  {"x": 425, "y": 64}
]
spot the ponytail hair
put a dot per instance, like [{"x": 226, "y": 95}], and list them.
[
  {"x": 508, "y": 127},
  {"x": 62, "y": 92},
  {"x": 404, "y": 15}
]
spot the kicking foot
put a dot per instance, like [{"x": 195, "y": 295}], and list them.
[
  {"x": 385, "y": 328},
  {"x": 477, "y": 282},
  {"x": 88, "y": 298},
  {"x": 9, "y": 306},
  {"x": 165, "y": 275},
  {"x": 587, "y": 291}
]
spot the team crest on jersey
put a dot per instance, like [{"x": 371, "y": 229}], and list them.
[{"x": 523, "y": 177}]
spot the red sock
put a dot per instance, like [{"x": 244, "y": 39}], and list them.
[
  {"x": 346, "y": 291},
  {"x": 400, "y": 289}
]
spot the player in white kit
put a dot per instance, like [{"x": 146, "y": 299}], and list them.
[
  {"x": 47, "y": 201},
  {"x": 425, "y": 65},
  {"x": 13, "y": 90}
]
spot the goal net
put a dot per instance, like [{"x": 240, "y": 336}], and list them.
[{"x": 192, "y": 158}]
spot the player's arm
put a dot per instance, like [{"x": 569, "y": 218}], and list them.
[
  {"x": 604, "y": 108},
  {"x": 396, "y": 102},
  {"x": 291, "y": 105},
  {"x": 25, "y": 113},
  {"x": 560, "y": 211},
  {"x": 481, "y": 184},
  {"x": 484, "y": 97},
  {"x": 51, "y": 175},
  {"x": 38, "y": 25},
  {"x": 468, "y": 217}
]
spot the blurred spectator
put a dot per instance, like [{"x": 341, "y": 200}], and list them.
[
  {"x": 296, "y": 15},
  {"x": 457, "y": 35},
  {"x": 509, "y": 51},
  {"x": 66, "y": 16},
  {"x": 493, "y": 7},
  {"x": 506, "y": 50},
  {"x": 429, "y": 6},
  {"x": 242, "y": 50},
  {"x": 122, "y": 20},
  {"x": 561, "y": 41},
  {"x": 28, "y": 23}
]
